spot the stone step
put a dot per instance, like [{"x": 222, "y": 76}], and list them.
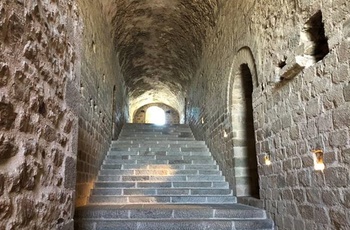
[
  {"x": 154, "y": 144},
  {"x": 158, "y": 157},
  {"x": 171, "y": 211},
  {"x": 157, "y": 153},
  {"x": 145, "y": 142},
  {"x": 161, "y": 178},
  {"x": 166, "y": 166},
  {"x": 161, "y": 138},
  {"x": 161, "y": 199},
  {"x": 170, "y": 224},
  {"x": 163, "y": 191},
  {"x": 186, "y": 184},
  {"x": 157, "y": 172},
  {"x": 147, "y": 149},
  {"x": 115, "y": 160}
]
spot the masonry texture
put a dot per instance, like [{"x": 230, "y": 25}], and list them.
[
  {"x": 38, "y": 115},
  {"x": 256, "y": 80},
  {"x": 291, "y": 118},
  {"x": 102, "y": 96}
]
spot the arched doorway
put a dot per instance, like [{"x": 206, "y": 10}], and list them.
[
  {"x": 245, "y": 160},
  {"x": 171, "y": 115},
  {"x": 155, "y": 115},
  {"x": 243, "y": 80}
]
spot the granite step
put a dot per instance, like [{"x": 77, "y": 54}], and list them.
[
  {"x": 156, "y": 172},
  {"x": 118, "y": 178},
  {"x": 162, "y": 199},
  {"x": 172, "y": 216},
  {"x": 166, "y": 166},
  {"x": 157, "y": 177},
  {"x": 161, "y": 191},
  {"x": 186, "y": 184}
]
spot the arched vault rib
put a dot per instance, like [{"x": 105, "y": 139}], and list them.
[{"x": 159, "y": 43}]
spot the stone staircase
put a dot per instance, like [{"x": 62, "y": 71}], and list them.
[{"x": 160, "y": 177}]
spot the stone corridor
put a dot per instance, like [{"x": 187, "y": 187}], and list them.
[{"x": 264, "y": 84}]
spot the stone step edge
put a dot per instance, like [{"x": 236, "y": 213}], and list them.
[
  {"x": 172, "y": 219},
  {"x": 153, "y": 181}
]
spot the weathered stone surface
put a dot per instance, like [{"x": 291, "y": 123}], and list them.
[
  {"x": 4, "y": 74},
  {"x": 26, "y": 211},
  {"x": 347, "y": 92},
  {"x": 2, "y": 184},
  {"x": 6, "y": 208},
  {"x": 337, "y": 177},
  {"x": 36, "y": 58},
  {"x": 7, "y": 148},
  {"x": 70, "y": 173},
  {"x": 7, "y": 116},
  {"x": 346, "y": 29}
]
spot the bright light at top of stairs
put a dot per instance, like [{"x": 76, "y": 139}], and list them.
[{"x": 155, "y": 115}]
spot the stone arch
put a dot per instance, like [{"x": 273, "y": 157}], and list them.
[
  {"x": 242, "y": 82},
  {"x": 172, "y": 116}
]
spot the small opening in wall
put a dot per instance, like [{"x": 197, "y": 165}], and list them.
[
  {"x": 282, "y": 64},
  {"x": 81, "y": 89},
  {"x": 318, "y": 160},
  {"x": 314, "y": 39},
  {"x": 267, "y": 160},
  {"x": 93, "y": 46}
]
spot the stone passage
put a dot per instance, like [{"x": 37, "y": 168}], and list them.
[{"x": 160, "y": 177}]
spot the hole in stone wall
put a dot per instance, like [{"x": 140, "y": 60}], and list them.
[
  {"x": 81, "y": 89},
  {"x": 42, "y": 108},
  {"x": 93, "y": 46},
  {"x": 313, "y": 37},
  {"x": 282, "y": 64},
  {"x": 318, "y": 160}
]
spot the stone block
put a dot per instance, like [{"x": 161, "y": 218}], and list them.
[
  {"x": 339, "y": 138},
  {"x": 70, "y": 173},
  {"x": 299, "y": 195},
  {"x": 341, "y": 74},
  {"x": 313, "y": 196},
  {"x": 294, "y": 133},
  {"x": 307, "y": 212},
  {"x": 337, "y": 177},
  {"x": 347, "y": 92},
  {"x": 346, "y": 29},
  {"x": 330, "y": 197},
  {"x": 304, "y": 178},
  {"x": 338, "y": 217},
  {"x": 7, "y": 149},
  {"x": 346, "y": 156},
  {"x": 2, "y": 184},
  {"x": 7, "y": 116},
  {"x": 341, "y": 117},
  {"x": 324, "y": 123}
]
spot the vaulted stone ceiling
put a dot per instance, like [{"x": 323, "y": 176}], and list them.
[{"x": 159, "y": 43}]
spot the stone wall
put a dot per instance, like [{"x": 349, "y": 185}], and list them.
[
  {"x": 39, "y": 81},
  {"x": 300, "y": 104},
  {"x": 102, "y": 96}
]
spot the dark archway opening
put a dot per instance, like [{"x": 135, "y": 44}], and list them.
[{"x": 246, "y": 173}]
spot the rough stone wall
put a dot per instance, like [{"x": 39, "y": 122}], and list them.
[
  {"x": 102, "y": 96},
  {"x": 39, "y": 80},
  {"x": 171, "y": 115},
  {"x": 292, "y": 117}
]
